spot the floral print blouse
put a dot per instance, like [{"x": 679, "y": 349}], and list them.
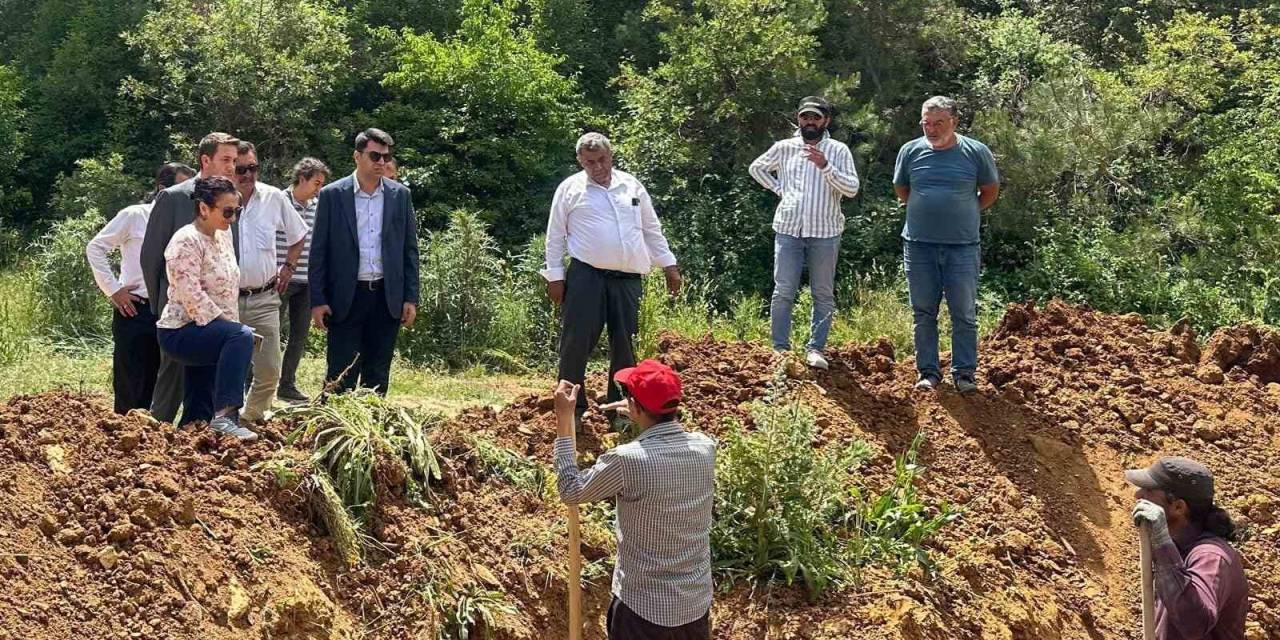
[{"x": 204, "y": 280}]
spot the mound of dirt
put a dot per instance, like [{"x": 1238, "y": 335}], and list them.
[{"x": 121, "y": 528}]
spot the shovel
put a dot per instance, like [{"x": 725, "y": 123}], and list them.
[
  {"x": 1148, "y": 588},
  {"x": 575, "y": 572}
]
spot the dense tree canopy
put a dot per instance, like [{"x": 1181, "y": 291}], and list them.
[{"x": 1137, "y": 141}]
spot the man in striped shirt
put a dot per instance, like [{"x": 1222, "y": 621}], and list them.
[
  {"x": 309, "y": 175},
  {"x": 811, "y": 172},
  {"x": 664, "y": 484}
]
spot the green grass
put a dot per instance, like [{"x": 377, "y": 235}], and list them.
[{"x": 89, "y": 370}]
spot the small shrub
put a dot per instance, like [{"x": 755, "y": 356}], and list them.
[
  {"x": 352, "y": 433},
  {"x": 73, "y": 310},
  {"x": 778, "y": 501},
  {"x": 17, "y": 319}
]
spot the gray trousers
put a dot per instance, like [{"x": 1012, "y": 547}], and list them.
[
  {"x": 593, "y": 299},
  {"x": 167, "y": 396},
  {"x": 295, "y": 314},
  {"x": 261, "y": 312}
]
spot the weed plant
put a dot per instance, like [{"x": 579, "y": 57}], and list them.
[
  {"x": 527, "y": 475},
  {"x": 352, "y": 432},
  {"x": 786, "y": 511}
]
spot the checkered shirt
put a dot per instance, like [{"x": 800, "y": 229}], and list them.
[{"x": 664, "y": 482}]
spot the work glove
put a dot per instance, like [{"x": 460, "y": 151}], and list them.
[{"x": 1151, "y": 514}]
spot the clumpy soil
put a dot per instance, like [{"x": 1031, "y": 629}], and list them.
[{"x": 120, "y": 527}]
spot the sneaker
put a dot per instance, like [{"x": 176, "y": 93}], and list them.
[
  {"x": 928, "y": 382},
  {"x": 291, "y": 394},
  {"x": 230, "y": 426},
  {"x": 814, "y": 359},
  {"x": 965, "y": 384}
]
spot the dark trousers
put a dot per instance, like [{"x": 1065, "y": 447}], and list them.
[
  {"x": 624, "y": 624},
  {"x": 135, "y": 358},
  {"x": 168, "y": 393},
  {"x": 295, "y": 324},
  {"x": 361, "y": 346},
  {"x": 216, "y": 358},
  {"x": 593, "y": 299}
]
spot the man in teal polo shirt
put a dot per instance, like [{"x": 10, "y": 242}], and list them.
[{"x": 946, "y": 180}]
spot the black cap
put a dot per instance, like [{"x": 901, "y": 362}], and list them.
[
  {"x": 1183, "y": 477},
  {"x": 817, "y": 104}
]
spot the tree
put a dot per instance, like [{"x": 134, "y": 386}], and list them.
[
  {"x": 259, "y": 70},
  {"x": 484, "y": 119},
  {"x": 12, "y": 145}
]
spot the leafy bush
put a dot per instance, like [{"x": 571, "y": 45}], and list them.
[
  {"x": 460, "y": 279},
  {"x": 779, "y": 502},
  {"x": 100, "y": 184},
  {"x": 17, "y": 320},
  {"x": 73, "y": 310},
  {"x": 788, "y": 512}
]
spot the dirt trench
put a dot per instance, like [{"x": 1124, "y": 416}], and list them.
[{"x": 119, "y": 527}]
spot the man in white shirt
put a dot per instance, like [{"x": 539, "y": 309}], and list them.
[
  {"x": 811, "y": 172},
  {"x": 603, "y": 219},
  {"x": 135, "y": 357},
  {"x": 266, "y": 211}
]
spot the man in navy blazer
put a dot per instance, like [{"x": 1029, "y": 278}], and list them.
[{"x": 364, "y": 268}]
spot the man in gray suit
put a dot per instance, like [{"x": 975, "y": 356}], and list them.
[
  {"x": 364, "y": 267},
  {"x": 173, "y": 210}
]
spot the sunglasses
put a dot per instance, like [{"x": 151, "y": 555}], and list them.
[
  {"x": 231, "y": 212},
  {"x": 248, "y": 168},
  {"x": 380, "y": 157}
]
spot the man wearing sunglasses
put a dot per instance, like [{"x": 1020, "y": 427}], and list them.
[
  {"x": 175, "y": 208},
  {"x": 364, "y": 267},
  {"x": 266, "y": 212}
]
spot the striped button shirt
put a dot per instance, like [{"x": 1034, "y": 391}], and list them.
[
  {"x": 308, "y": 213},
  {"x": 810, "y": 205},
  {"x": 664, "y": 482}
]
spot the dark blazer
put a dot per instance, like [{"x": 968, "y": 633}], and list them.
[
  {"x": 173, "y": 210},
  {"x": 334, "y": 261}
]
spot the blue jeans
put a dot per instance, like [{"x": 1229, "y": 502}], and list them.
[
  {"x": 216, "y": 358},
  {"x": 790, "y": 255},
  {"x": 932, "y": 271}
]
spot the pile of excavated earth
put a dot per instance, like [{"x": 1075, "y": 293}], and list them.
[{"x": 121, "y": 527}]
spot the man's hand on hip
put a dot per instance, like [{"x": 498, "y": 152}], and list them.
[
  {"x": 320, "y": 317},
  {"x": 408, "y": 314},
  {"x": 674, "y": 280},
  {"x": 555, "y": 291},
  {"x": 123, "y": 301}
]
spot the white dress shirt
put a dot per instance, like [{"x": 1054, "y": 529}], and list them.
[
  {"x": 124, "y": 232},
  {"x": 614, "y": 229},
  {"x": 369, "y": 230},
  {"x": 810, "y": 204},
  {"x": 268, "y": 211}
]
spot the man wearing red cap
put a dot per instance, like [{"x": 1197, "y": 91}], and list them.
[
  {"x": 664, "y": 483},
  {"x": 1200, "y": 588}
]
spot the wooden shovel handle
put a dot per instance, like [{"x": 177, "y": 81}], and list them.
[
  {"x": 1148, "y": 587},
  {"x": 575, "y": 569}
]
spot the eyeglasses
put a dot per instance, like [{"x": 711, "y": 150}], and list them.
[
  {"x": 231, "y": 212},
  {"x": 247, "y": 168},
  {"x": 380, "y": 157}
]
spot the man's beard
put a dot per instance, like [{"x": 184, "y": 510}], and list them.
[{"x": 811, "y": 133}]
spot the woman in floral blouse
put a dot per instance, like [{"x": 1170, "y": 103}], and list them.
[{"x": 200, "y": 324}]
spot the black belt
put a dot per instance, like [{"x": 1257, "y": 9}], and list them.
[
  {"x": 370, "y": 285},
  {"x": 607, "y": 273},
  {"x": 263, "y": 289}
]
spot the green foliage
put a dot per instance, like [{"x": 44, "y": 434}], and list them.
[
  {"x": 261, "y": 70},
  {"x": 18, "y": 322},
  {"x": 527, "y": 475},
  {"x": 73, "y": 310},
  {"x": 787, "y": 511},
  {"x": 486, "y": 118},
  {"x": 778, "y": 501},
  {"x": 355, "y": 436},
  {"x": 99, "y": 184},
  {"x": 894, "y": 526},
  {"x": 13, "y": 141}
]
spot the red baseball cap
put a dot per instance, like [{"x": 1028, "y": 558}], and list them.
[{"x": 653, "y": 384}]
